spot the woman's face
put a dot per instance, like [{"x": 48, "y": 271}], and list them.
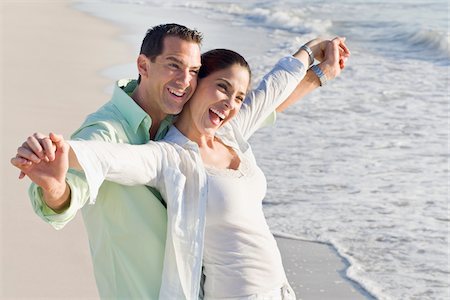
[{"x": 218, "y": 98}]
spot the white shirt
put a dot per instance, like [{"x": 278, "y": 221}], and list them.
[
  {"x": 241, "y": 257},
  {"x": 175, "y": 168}
]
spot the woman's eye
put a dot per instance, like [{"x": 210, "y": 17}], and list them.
[
  {"x": 222, "y": 87},
  {"x": 240, "y": 98}
]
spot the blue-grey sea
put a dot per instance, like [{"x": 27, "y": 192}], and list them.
[{"x": 362, "y": 164}]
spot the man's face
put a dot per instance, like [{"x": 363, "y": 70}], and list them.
[{"x": 172, "y": 76}]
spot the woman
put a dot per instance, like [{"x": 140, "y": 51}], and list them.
[{"x": 207, "y": 173}]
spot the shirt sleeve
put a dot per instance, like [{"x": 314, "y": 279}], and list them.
[
  {"x": 274, "y": 88},
  {"x": 121, "y": 163},
  {"x": 79, "y": 189}
]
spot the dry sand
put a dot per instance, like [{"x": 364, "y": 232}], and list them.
[{"x": 51, "y": 56}]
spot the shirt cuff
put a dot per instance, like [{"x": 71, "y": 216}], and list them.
[
  {"x": 293, "y": 65},
  {"x": 55, "y": 219}
]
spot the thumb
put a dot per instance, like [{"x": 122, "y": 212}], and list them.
[
  {"x": 56, "y": 137},
  {"x": 59, "y": 142}
]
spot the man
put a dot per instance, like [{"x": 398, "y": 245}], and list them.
[{"x": 127, "y": 225}]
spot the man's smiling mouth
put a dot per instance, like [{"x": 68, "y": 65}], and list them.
[{"x": 176, "y": 93}]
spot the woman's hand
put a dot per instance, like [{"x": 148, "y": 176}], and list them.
[
  {"x": 335, "y": 56},
  {"x": 45, "y": 160},
  {"x": 328, "y": 52}
]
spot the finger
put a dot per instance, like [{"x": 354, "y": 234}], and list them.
[
  {"x": 59, "y": 141},
  {"x": 44, "y": 145},
  {"x": 56, "y": 137},
  {"x": 342, "y": 55},
  {"x": 25, "y": 153},
  {"x": 335, "y": 50},
  {"x": 33, "y": 144},
  {"x": 20, "y": 163},
  {"x": 49, "y": 148},
  {"x": 341, "y": 41}
]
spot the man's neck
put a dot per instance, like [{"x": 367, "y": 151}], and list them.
[{"x": 148, "y": 105}]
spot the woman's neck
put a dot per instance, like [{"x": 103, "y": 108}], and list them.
[
  {"x": 212, "y": 150},
  {"x": 184, "y": 124}
]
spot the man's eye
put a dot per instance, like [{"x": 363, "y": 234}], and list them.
[
  {"x": 173, "y": 66},
  {"x": 194, "y": 72}
]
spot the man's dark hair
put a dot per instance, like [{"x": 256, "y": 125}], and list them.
[{"x": 153, "y": 42}]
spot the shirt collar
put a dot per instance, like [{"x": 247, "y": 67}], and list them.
[
  {"x": 175, "y": 136},
  {"x": 131, "y": 112}
]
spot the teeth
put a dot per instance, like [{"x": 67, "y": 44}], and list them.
[
  {"x": 176, "y": 93},
  {"x": 221, "y": 115}
]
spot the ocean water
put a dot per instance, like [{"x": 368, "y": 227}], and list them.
[{"x": 362, "y": 164}]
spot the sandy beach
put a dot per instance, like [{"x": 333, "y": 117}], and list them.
[{"x": 51, "y": 59}]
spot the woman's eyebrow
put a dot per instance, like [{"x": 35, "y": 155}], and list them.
[
  {"x": 229, "y": 85},
  {"x": 226, "y": 81}
]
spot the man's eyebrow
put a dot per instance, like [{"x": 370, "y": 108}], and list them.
[{"x": 174, "y": 59}]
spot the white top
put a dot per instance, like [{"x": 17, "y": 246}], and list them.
[
  {"x": 240, "y": 257},
  {"x": 175, "y": 168}
]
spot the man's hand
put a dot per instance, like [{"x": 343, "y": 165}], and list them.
[
  {"x": 323, "y": 50},
  {"x": 335, "y": 56},
  {"x": 45, "y": 160},
  {"x": 332, "y": 55}
]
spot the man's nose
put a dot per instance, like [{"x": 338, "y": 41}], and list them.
[{"x": 184, "y": 78}]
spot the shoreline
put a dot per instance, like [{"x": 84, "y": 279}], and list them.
[{"x": 323, "y": 269}]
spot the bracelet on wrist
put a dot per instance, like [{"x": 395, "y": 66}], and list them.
[
  {"x": 310, "y": 54},
  {"x": 322, "y": 78}
]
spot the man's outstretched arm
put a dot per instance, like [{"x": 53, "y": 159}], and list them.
[
  {"x": 57, "y": 202},
  {"x": 45, "y": 160}
]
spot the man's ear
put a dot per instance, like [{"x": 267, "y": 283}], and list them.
[{"x": 143, "y": 63}]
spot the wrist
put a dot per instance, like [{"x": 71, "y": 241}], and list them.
[
  {"x": 310, "y": 53},
  {"x": 57, "y": 197},
  {"x": 320, "y": 74}
]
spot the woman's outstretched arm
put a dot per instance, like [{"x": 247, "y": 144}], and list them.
[{"x": 121, "y": 163}]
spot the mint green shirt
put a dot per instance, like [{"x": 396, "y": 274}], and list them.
[{"x": 127, "y": 225}]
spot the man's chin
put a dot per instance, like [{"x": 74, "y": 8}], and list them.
[{"x": 174, "y": 110}]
